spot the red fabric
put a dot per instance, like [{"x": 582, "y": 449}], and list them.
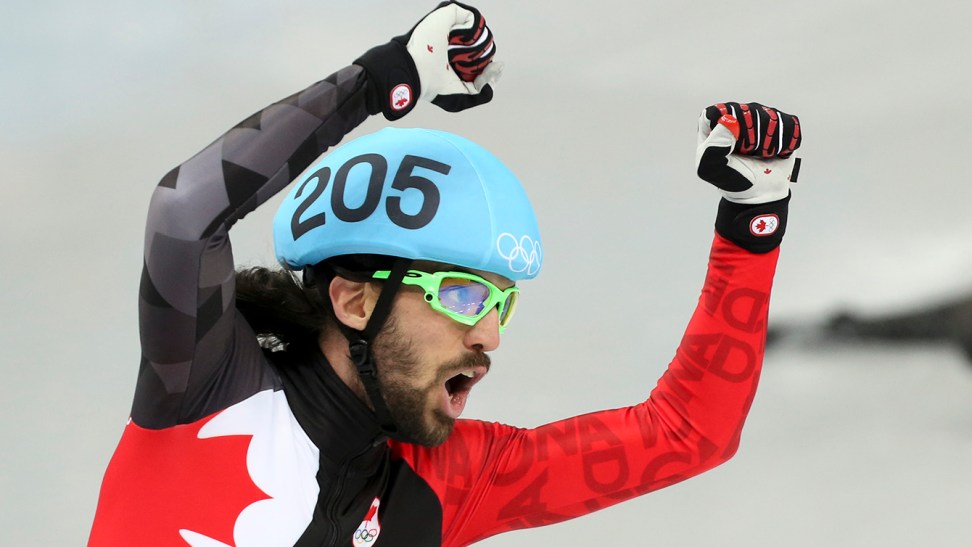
[
  {"x": 161, "y": 481},
  {"x": 493, "y": 478}
]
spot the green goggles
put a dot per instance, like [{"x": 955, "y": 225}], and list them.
[{"x": 464, "y": 297}]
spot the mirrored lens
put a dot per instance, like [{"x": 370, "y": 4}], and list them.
[
  {"x": 509, "y": 306},
  {"x": 463, "y": 296}
]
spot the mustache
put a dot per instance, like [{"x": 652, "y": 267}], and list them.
[{"x": 470, "y": 360}]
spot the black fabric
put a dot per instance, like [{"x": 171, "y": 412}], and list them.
[
  {"x": 149, "y": 380},
  {"x": 170, "y": 179},
  {"x": 361, "y": 353},
  {"x": 355, "y": 462},
  {"x": 734, "y": 222},
  {"x": 411, "y": 514},
  {"x": 389, "y": 66},
  {"x": 796, "y": 170},
  {"x": 714, "y": 169},
  {"x": 150, "y": 293},
  {"x": 210, "y": 310},
  {"x": 326, "y": 409},
  {"x": 383, "y": 307},
  {"x": 759, "y": 129},
  {"x": 460, "y": 101},
  {"x": 361, "y": 267},
  {"x": 354, "y": 457}
]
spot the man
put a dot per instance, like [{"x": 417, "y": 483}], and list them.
[{"x": 273, "y": 411}]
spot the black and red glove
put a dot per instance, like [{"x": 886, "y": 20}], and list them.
[
  {"x": 750, "y": 159},
  {"x": 447, "y": 59},
  {"x": 763, "y": 131},
  {"x": 470, "y": 49}
]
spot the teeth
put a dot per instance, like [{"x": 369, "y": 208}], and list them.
[{"x": 469, "y": 374}]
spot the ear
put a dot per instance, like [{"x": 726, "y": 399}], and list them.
[{"x": 352, "y": 301}]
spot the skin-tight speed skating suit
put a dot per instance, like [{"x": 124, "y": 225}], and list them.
[{"x": 229, "y": 445}]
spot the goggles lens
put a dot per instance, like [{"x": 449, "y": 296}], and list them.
[{"x": 462, "y": 296}]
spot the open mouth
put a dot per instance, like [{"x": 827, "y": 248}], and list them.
[
  {"x": 461, "y": 382},
  {"x": 458, "y": 387}
]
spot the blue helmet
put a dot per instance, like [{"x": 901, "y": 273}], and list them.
[{"x": 411, "y": 193}]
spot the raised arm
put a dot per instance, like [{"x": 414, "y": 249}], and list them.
[
  {"x": 187, "y": 317},
  {"x": 190, "y": 330},
  {"x": 501, "y": 478},
  {"x": 498, "y": 478}
]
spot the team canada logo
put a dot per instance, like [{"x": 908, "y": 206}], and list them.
[
  {"x": 367, "y": 533},
  {"x": 401, "y": 97},
  {"x": 764, "y": 225}
]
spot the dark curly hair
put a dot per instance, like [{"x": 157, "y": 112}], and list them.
[
  {"x": 279, "y": 307},
  {"x": 283, "y": 310}
]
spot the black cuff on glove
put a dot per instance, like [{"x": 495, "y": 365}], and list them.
[
  {"x": 393, "y": 81},
  {"x": 756, "y": 228},
  {"x": 460, "y": 102}
]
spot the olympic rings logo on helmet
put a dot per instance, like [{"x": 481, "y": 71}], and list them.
[{"x": 523, "y": 254}]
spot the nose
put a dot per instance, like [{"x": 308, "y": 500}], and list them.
[{"x": 484, "y": 335}]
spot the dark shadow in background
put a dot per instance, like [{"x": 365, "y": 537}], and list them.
[{"x": 947, "y": 323}]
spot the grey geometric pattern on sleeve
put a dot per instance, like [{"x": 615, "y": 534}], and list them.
[{"x": 198, "y": 353}]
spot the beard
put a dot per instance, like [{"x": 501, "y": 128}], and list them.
[{"x": 398, "y": 365}]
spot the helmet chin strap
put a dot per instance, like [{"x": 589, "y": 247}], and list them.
[{"x": 359, "y": 345}]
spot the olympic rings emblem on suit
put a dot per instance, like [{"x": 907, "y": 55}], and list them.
[{"x": 365, "y": 535}]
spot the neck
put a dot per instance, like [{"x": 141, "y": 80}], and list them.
[
  {"x": 329, "y": 412},
  {"x": 334, "y": 346}
]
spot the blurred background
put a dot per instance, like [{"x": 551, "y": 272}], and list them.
[{"x": 847, "y": 443}]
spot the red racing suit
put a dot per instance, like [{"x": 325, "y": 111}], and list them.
[{"x": 230, "y": 445}]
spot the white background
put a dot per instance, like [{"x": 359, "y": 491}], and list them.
[{"x": 596, "y": 112}]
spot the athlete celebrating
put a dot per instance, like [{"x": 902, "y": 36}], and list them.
[{"x": 323, "y": 408}]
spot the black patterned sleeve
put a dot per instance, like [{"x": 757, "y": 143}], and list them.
[{"x": 198, "y": 354}]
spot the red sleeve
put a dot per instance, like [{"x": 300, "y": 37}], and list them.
[{"x": 492, "y": 478}]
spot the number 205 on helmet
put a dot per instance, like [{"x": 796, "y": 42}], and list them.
[{"x": 412, "y": 193}]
